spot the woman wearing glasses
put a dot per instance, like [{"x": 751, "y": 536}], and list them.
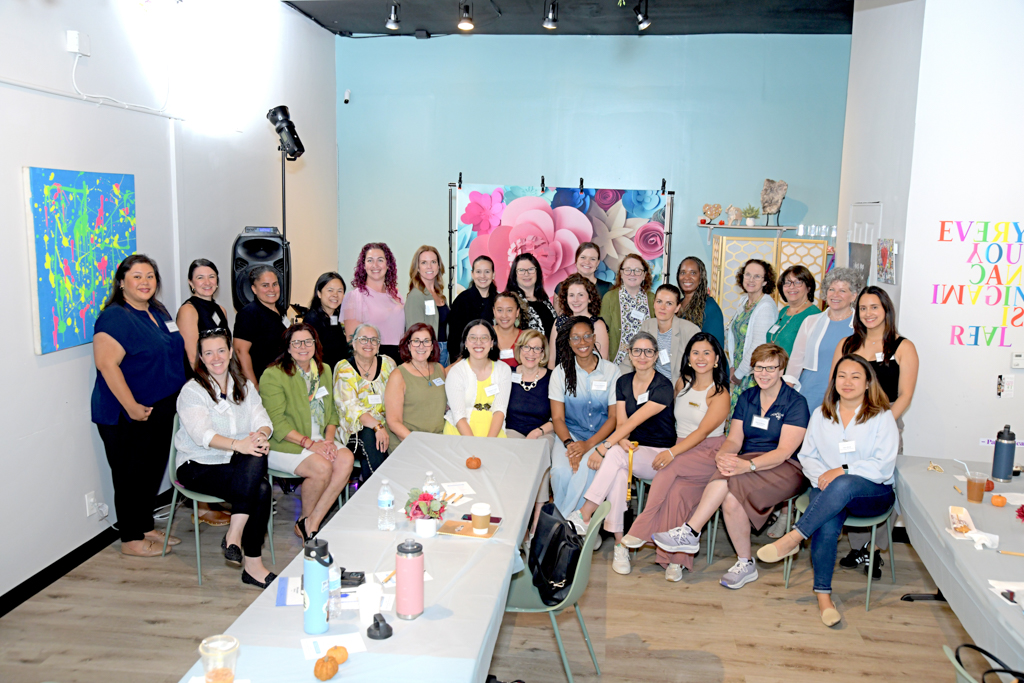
[
  {"x": 478, "y": 388},
  {"x": 796, "y": 285},
  {"x": 359, "y": 384},
  {"x": 296, "y": 392},
  {"x": 509, "y": 312},
  {"x": 525, "y": 277},
  {"x": 374, "y": 298},
  {"x": 748, "y": 329},
  {"x": 414, "y": 397},
  {"x": 757, "y": 466},
  {"x": 529, "y": 410},
  {"x": 579, "y": 297},
  {"x": 699, "y": 307},
  {"x": 626, "y": 306}
]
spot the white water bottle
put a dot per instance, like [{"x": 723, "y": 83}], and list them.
[
  {"x": 385, "y": 508},
  {"x": 431, "y": 486}
]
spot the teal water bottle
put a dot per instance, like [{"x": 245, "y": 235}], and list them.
[{"x": 316, "y": 589}]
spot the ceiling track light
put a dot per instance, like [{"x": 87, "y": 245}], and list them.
[
  {"x": 551, "y": 18},
  {"x": 643, "y": 18},
  {"x": 393, "y": 23},
  {"x": 466, "y": 17}
]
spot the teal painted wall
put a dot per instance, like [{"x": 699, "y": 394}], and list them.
[{"x": 713, "y": 115}]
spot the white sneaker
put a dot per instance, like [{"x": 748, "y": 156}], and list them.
[
  {"x": 576, "y": 519},
  {"x": 674, "y": 572},
  {"x": 620, "y": 562},
  {"x": 598, "y": 542}
]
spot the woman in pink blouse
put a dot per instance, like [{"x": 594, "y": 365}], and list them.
[{"x": 374, "y": 298}]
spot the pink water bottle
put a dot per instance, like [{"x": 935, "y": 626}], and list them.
[{"x": 409, "y": 580}]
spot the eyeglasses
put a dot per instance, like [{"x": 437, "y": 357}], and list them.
[
  {"x": 525, "y": 271},
  {"x": 791, "y": 283},
  {"x": 372, "y": 341},
  {"x": 637, "y": 353},
  {"x": 420, "y": 342},
  {"x": 752, "y": 277},
  {"x": 766, "y": 368},
  {"x": 299, "y": 343},
  {"x": 576, "y": 339},
  {"x": 478, "y": 339},
  {"x": 533, "y": 349},
  {"x": 632, "y": 271}
]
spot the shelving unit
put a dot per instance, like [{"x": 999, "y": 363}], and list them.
[{"x": 777, "y": 229}]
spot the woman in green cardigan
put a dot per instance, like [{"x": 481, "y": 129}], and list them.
[
  {"x": 297, "y": 392},
  {"x": 626, "y": 306}
]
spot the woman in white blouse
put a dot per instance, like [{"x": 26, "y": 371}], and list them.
[
  {"x": 222, "y": 443},
  {"x": 849, "y": 455},
  {"x": 479, "y": 386}
]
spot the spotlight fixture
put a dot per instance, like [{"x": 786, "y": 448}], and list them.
[
  {"x": 290, "y": 143},
  {"x": 551, "y": 18},
  {"x": 466, "y": 17},
  {"x": 393, "y": 23},
  {"x": 643, "y": 18}
]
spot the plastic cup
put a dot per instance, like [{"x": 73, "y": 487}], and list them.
[
  {"x": 219, "y": 654},
  {"x": 481, "y": 513},
  {"x": 369, "y": 602},
  {"x": 976, "y": 486}
]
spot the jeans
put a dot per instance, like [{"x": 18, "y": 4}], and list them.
[
  {"x": 364, "y": 446},
  {"x": 444, "y": 353},
  {"x": 846, "y": 495},
  {"x": 567, "y": 486}
]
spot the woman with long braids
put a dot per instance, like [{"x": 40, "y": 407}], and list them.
[
  {"x": 374, "y": 299},
  {"x": 699, "y": 307}
]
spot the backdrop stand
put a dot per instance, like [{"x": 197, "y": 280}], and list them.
[
  {"x": 670, "y": 202},
  {"x": 451, "y": 232}
]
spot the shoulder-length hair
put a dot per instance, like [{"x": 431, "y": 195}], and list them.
[
  {"x": 525, "y": 339},
  {"x": 414, "y": 272},
  {"x": 390, "y": 277},
  {"x": 719, "y": 374},
  {"x": 694, "y": 310},
  {"x": 315, "y": 304},
  {"x": 405, "y": 353},
  {"x": 594, "y": 303},
  {"x": 285, "y": 360},
  {"x": 801, "y": 273},
  {"x": 117, "y": 286},
  {"x": 860, "y": 332},
  {"x": 513, "y": 279},
  {"x": 564, "y": 356},
  {"x": 494, "y": 353},
  {"x": 875, "y": 401},
  {"x": 645, "y": 286},
  {"x": 768, "y": 286},
  {"x": 205, "y": 379}
]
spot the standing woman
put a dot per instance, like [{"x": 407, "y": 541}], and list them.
[
  {"x": 699, "y": 307},
  {"x": 627, "y": 305},
  {"x": 858, "y": 481},
  {"x": 748, "y": 329},
  {"x": 474, "y": 303},
  {"x": 588, "y": 258},
  {"x": 673, "y": 333},
  {"x": 323, "y": 316},
  {"x": 579, "y": 297},
  {"x": 525, "y": 277},
  {"x": 478, "y": 389},
  {"x": 426, "y": 302},
  {"x": 796, "y": 284},
  {"x": 296, "y": 392},
  {"x": 374, "y": 298},
  {"x": 140, "y": 363},
  {"x": 260, "y": 326},
  {"x": 359, "y": 396},
  {"x": 509, "y": 312},
  {"x": 200, "y": 312},
  {"x": 414, "y": 397}
]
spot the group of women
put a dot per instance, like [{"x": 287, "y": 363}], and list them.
[{"x": 626, "y": 381}]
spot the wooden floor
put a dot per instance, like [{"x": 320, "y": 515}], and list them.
[{"x": 120, "y": 619}]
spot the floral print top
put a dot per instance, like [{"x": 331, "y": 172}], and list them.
[
  {"x": 355, "y": 395},
  {"x": 316, "y": 402},
  {"x": 630, "y": 323}
]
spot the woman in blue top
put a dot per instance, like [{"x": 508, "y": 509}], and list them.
[
  {"x": 581, "y": 390},
  {"x": 849, "y": 454},
  {"x": 140, "y": 363},
  {"x": 699, "y": 307}
]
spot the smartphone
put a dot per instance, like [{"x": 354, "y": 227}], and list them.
[{"x": 494, "y": 520}]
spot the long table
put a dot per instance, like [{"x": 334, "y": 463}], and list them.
[
  {"x": 961, "y": 572},
  {"x": 453, "y": 639}
]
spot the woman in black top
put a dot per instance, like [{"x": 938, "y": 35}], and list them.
[
  {"x": 525, "y": 277},
  {"x": 323, "y": 317},
  {"x": 529, "y": 410},
  {"x": 474, "y": 303},
  {"x": 260, "y": 326},
  {"x": 200, "y": 312}
]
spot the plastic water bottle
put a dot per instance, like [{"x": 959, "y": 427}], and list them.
[
  {"x": 385, "y": 508},
  {"x": 431, "y": 486}
]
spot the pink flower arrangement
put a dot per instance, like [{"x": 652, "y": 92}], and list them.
[
  {"x": 484, "y": 211},
  {"x": 650, "y": 240},
  {"x": 1020, "y": 513},
  {"x": 423, "y": 506}
]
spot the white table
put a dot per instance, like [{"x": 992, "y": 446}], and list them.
[{"x": 453, "y": 639}]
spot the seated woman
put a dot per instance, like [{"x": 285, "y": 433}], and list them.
[
  {"x": 683, "y": 471},
  {"x": 644, "y": 406},
  {"x": 296, "y": 391},
  {"x": 508, "y": 313},
  {"x": 757, "y": 465},
  {"x": 478, "y": 387},
  {"x": 673, "y": 333},
  {"x": 359, "y": 384},
  {"x": 849, "y": 454},
  {"x": 414, "y": 397},
  {"x": 578, "y": 296},
  {"x": 581, "y": 391},
  {"x": 222, "y": 442}
]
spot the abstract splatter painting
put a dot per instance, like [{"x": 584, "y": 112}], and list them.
[{"x": 81, "y": 226}]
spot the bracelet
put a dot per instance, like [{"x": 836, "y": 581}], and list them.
[
  {"x": 304, "y": 440},
  {"x": 377, "y": 427}
]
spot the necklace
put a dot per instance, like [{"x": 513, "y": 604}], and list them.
[
  {"x": 529, "y": 386},
  {"x": 425, "y": 375},
  {"x": 366, "y": 374},
  {"x": 788, "y": 319}
]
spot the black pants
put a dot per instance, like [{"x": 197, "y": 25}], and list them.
[
  {"x": 243, "y": 483},
  {"x": 364, "y": 446},
  {"x": 137, "y": 453}
]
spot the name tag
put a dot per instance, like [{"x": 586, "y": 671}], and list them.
[
  {"x": 879, "y": 357},
  {"x": 663, "y": 357},
  {"x": 429, "y": 308},
  {"x": 506, "y": 353},
  {"x": 492, "y": 390},
  {"x": 218, "y": 318},
  {"x": 321, "y": 392},
  {"x": 285, "y": 321},
  {"x": 171, "y": 327},
  {"x": 517, "y": 378},
  {"x": 599, "y": 385},
  {"x": 438, "y": 382},
  {"x": 374, "y": 399},
  {"x": 847, "y": 446},
  {"x": 760, "y": 422},
  {"x": 334, "y": 320},
  {"x": 773, "y": 329},
  {"x": 695, "y": 405},
  {"x": 637, "y": 315},
  {"x": 222, "y": 407},
  {"x": 642, "y": 398}
]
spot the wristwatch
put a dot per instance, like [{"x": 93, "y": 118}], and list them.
[
  {"x": 566, "y": 442},
  {"x": 753, "y": 466},
  {"x": 846, "y": 468},
  {"x": 379, "y": 426},
  {"x": 606, "y": 445}
]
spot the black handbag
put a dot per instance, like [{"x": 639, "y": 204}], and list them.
[
  {"x": 1000, "y": 669},
  {"x": 554, "y": 555}
]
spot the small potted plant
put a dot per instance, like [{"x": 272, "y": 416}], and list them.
[
  {"x": 751, "y": 213},
  {"x": 425, "y": 511}
]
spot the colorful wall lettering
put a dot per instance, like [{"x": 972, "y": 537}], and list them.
[{"x": 81, "y": 226}]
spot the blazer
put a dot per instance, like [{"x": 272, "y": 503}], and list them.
[
  {"x": 613, "y": 318},
  {"x": 287, "y": 403},
  {"x": 765, "y": 314},
  {"x": 682, "y": 331}
]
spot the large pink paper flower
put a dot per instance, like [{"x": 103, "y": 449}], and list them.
[
  {"x": 650, "y": 240},
  {"x": 484, "y": 211},
  {"x": 606, "y": 198},
  {"x": 530, "y": 225}
]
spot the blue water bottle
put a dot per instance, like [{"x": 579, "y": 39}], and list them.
[
  {"x": 1002, "y": 459},
  {"x": 315, "y": 586}
]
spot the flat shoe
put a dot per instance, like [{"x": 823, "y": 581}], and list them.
[
  {"x": 232, "y": 553},
  {"x": 247, "y": 578},
  {"x": 149, "y": 549},
  {"x": 158, "y": 537},
  {"x": 632, "y": 542},
  {"x": 830, "y": 616},
  {"x": 769, "y": 553},
  {"x": 213, "y": 518}
]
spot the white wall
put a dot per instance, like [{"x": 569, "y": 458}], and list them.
[{"x": 226, "y": 73}]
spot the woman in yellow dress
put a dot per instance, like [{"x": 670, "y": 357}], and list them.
[{"x": 478, "y": 385}]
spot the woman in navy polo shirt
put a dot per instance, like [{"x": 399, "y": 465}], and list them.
[
  {"x": 757, "y": 465},
  {"x": 140, "y": 363}
]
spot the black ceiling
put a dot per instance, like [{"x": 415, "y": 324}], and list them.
[{"x": 587, "y": 17}]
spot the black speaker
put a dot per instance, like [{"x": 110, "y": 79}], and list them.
[{"x": 260, "y": 247}]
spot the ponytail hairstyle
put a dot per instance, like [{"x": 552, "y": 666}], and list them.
[
  {"x": 720, "y": 373},
  {"x": 564, "y": 356}
]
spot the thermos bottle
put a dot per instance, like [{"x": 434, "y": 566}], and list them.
[
  {"x": 409, "y": 580},
  {"x": 1002, "y": 460},
  {"x": 315, "y": 586}
]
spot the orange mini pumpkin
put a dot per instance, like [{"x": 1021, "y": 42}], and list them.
[
  {"x": 338, "y": 654},
  {"x": 473, "y": 463},
  {"x": 998, "y": 501},
  {"x": 325, "y": 668}
]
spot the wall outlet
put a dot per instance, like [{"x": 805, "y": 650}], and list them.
[
  {"x": 90, "y": 504},
  {"x": 78, "y": 43},
  {"x": 1017, "y": 359}
]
